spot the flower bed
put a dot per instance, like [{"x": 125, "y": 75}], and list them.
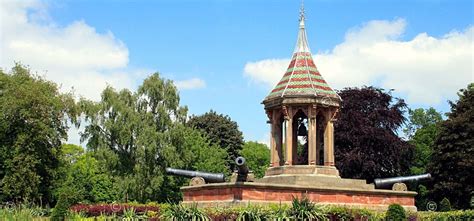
[
  {"x": 114, "y": 209},
  {"x": 155, "y": 211}
]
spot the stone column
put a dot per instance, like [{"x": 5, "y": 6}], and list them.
[
  {"x": 272, "y": 137},
  {"x": 329, "y": 140},
  {"x": 326, "y": 140},
  {"x": 330, "y": 159},
  {"x": 312, "y": 135},
  {"x": 294, "y": 143},
  {"x": 275, "y": 140},
  {"x": 289, "y": 135}
]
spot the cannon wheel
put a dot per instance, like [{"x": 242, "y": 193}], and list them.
[
  {"x": 196, "y": 181},
  {"x": 399, "y": 187}
]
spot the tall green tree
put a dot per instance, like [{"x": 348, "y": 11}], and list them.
[
  {"x": 221, "y": 130},
  {"x": 133, "y": 127},
  {"x": 83, "y": 178},
  {"x": 452, "y": 164},
  {"x": 34, "y": 119},
  {"x": 422, "y": 131},
  {"x": 257, "y": 156},
  {"x": 136, "y": 135},
  {"x": 366, "y": 142}
]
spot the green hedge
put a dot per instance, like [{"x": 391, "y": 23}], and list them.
[
  {"x": 446, "y": 216},
  {"x": 253, "y": 212}
]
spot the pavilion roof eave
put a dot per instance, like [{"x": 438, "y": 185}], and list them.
[{"x": 301, "y": 100}]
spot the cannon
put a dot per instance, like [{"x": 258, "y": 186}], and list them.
[
  {"x": 398, "y": 183},
  {"x": 242, "y": 174},
  {"x": 197, "y": 177}
]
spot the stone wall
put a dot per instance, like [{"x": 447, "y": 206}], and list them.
[{"x": 243, "y": 193}]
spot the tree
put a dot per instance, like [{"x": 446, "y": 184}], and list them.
[
  {"x": 136, "y": 135},
  {"x": 34, "y": 119},
  {"x": 133, "y": 128},
  {"x": 452, "y": 164},
  {"x": 88, "y": 182},
  {"x": 422, "y": 130},
  {"x": 198, "y": 154},
  {"x": 257, "y": 156},
  {"x": 366, "y": 141},
  {"x": 221, "y": 130}
]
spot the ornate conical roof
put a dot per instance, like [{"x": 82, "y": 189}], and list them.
[{"x": 302, "y": 78}]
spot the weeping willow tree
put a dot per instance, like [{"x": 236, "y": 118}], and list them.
[{"x": 139, "y": 134}]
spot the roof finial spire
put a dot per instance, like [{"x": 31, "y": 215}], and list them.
[{"x": 302, "y": 11}]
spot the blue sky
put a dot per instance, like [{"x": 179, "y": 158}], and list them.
[{"x": 226, "y": 55}]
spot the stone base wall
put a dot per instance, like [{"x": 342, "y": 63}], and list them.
[
  {"x": 302, "y": 170},
  {"x": 243, "y": 193}
]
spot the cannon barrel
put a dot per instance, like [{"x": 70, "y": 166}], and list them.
[
  {"x": 242, "y": 168},
  {"x": 388, "y": 182},
  {"x": 208, "y": 177}
]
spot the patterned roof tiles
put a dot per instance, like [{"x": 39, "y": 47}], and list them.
[{"x": 302, "y": 78}]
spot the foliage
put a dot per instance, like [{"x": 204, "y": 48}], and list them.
[
  {"x": 222, "y": 213},
  {"x": 304, "y": 209},
  {"x": 344, "y": 213},
  {"x": 200, "y": 154},
  {"x": 452, "y": 164},
  {"x": 60, "y": 211},
  {"x": 34, "y": 119},
  {"x": 421, "y": 199},
  {"x": 279, "y": 212},
  {"x": 422, "y": 130},
  {"x": 366, "y": 141},
  {"x": 451, "y": 215},
  {"x": 23, "y": 212},
  {"x": 445, "y": 205},
  {"x": 83, "y": 178},
  {"x": 256, "y": 213},
  {"x": 221, "y": 130},
  {"x": 118, "y": 209},
  {"x": 153, "y": 211},
  {"x": 132, "y": 129},
  {"x": 257, "y": 157},
  {"x": 136, "y": 135},
  {"x": 396, "y": 212},
  {"x": 178, "y": 212}
]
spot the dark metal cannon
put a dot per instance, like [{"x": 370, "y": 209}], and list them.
[
  {"x": 197, "y": 177},
  {"x": 397, "y": 183},
  {"x": 242, "y": 174}
]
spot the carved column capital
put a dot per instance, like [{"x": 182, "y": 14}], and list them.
[
  {"x": 270, "y": 116},
  {"x": 313, "y": 111},
  {"x": 334, "y": 115},
  {"x": 286, "y": 112}
]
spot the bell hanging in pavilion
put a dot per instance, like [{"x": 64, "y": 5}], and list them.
[{"x": 302, "y": 131}]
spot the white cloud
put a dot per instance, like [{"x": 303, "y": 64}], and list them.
[
  {"x": 190, "y": 84},
  {"x": 74, "y": 56},
  {"x": 426, "y": 69}
]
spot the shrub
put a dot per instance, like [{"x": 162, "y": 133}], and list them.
[
  {"x": 115, "y": 209},
  {"x": 396, "y": 212},
  {"x": 445, "y": 205},
  {"x": 61, "y": 209},
  {"x": 129, "y": 213},
  {"x": 253, "y": 213},
  {"x": 222, "y": 213},
  {"x": 279, "y": 212},
  {"x": 304, "y": 209},
  {"x": 451, "y": 215},
  {"x": 345, "y": 213},
  {"x": 179, "y": 212}
]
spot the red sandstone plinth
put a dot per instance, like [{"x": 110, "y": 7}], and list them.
[{"x": 264, "y": 193}]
